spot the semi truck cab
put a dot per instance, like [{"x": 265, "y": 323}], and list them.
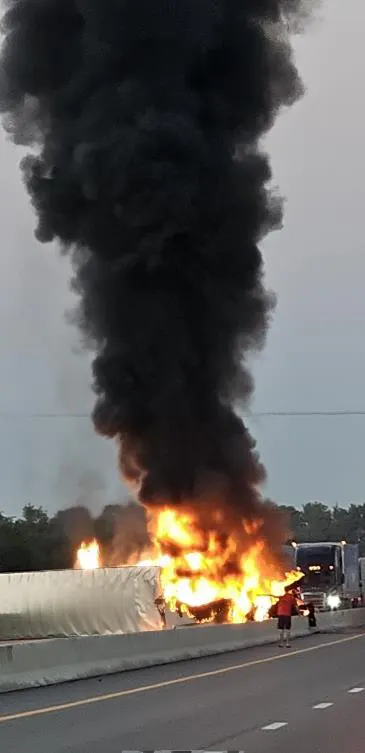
[{"x": 331, "y": 574}]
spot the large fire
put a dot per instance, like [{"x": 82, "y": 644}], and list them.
[{"x": 196, "y": 570}]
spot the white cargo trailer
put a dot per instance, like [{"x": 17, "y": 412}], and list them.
[{"x": 79, "y": 602}]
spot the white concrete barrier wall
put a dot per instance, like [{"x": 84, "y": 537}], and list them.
[{"x": 30, "y": 664}]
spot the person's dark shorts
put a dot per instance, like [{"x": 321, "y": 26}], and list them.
[{"x": 284, "y": 623}]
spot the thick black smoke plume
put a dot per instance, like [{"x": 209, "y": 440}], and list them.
[{"x": 147, "y": 115}]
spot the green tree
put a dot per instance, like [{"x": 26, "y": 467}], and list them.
[
  {"x": 31, "y": 542},
  {"x": 341, "y": 524},
  {"x": 318, "y": 520}
]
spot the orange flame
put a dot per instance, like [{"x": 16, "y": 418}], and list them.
[
  {"x": 88, "y": 556},
  {"x": 194, "y": 578},
  {"x": 196, "y": 572}
]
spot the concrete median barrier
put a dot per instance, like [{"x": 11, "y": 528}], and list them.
[{"x": 28, "y": 664}]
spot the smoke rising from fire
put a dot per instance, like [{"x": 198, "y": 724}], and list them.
[{"x": 147, "y": 116}]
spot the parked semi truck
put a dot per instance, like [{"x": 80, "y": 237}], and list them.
[{"x": 331, "y": 574}]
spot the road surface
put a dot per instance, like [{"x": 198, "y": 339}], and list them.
[{"x": 268, "y": 700}]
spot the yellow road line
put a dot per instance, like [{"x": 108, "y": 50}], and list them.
[{"x": 176, "y": 681}]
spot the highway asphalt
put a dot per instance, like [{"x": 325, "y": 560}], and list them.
[{"x": 306, "y": 699}]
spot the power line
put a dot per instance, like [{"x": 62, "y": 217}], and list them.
[
  {"x": 253, "y": 414},
  {"x": 21, "y": 416},
  {"x": 310, "y": 413}
]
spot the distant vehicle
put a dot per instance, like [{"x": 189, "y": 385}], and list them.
[{"x": 331, "y": 574}]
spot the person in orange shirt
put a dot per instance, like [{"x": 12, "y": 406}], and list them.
[{"x": 287, "y": 604}]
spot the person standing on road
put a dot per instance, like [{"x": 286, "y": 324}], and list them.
[
  {"x": 287, "y": 604},
  {"x": 312, "y": 621}
]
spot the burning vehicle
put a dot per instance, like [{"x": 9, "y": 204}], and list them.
[{"x": 208, "y": 580}]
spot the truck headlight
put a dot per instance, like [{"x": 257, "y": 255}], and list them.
[{"x": 333, "y": 601}]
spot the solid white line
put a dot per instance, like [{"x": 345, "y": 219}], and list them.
[
  {"x": 356, "y": 690},
  {"x": 275, "y": 725},
  {"x": 176, "y": 680},
  {"x": 322, "y": 705}
]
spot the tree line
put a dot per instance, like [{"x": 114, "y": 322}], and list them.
[
  {"x": 37, "y": 541},
  {"x": 316, "y": 521}
]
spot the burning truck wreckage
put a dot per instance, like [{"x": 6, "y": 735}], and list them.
[
  {"x": 208, "y": 580},
  {"x": 144, "y": 121}
]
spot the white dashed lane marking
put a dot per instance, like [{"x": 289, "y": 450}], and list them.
[
  {"x": 267, "y": 728},
  {"x": 319, "y": 706}
]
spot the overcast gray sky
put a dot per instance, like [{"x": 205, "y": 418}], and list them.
[{"x": 315, "y": 355}]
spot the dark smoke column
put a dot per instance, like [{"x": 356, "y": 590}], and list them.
[{"x": 146, "y": 116}]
